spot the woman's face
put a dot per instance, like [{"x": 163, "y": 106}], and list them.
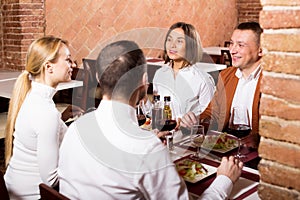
[
  {"x": 175, "y": 44},
  {"x": 62, "y": 69}
]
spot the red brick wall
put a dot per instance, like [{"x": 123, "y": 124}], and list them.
[
  {"x": 22, "y": 22},
  {"x": 280, "y": 104},
  {"x": 248, "y": 10},
  {"x": 88, "y": 25}
]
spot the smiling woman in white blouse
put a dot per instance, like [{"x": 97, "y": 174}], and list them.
[
  {"x": 182, "y": 78},
  {"x": 34, "y": 127}
]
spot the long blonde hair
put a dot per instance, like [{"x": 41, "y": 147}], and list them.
[{"x": 39, "y": 53}]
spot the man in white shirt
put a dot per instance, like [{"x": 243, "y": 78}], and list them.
[
  {"x": 238, "y": 85},
  {"x": 105, "y": 154}
]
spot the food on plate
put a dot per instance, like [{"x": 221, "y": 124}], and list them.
[
  {"x": 147, "y": 124},
  {"x": 220, "y": 141},
  {"x": 190, "y": 169}
]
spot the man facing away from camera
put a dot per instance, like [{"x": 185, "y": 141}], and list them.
[{"x": 106, "y": 155}]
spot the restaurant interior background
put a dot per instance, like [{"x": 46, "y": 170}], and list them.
[{"x": 90, "y": 24}]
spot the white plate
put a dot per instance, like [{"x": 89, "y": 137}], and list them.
[
  {"x": 210, "y": 170},
  {"x": 208, "y": 145}
]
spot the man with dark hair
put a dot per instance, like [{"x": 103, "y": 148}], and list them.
[
  {"x": 106, "y": 155},
  {"x": 238, "y": 85}
]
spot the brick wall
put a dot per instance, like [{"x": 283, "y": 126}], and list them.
[
  {"x": 280, "y": 104},
  {"x": 1, "y": 37},
  {"x": 22, "y": 22},
  {"x": 248, "y": 10},
  {"x": 88, "y": 25}
]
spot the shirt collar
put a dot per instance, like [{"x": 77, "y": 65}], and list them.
[
  {"x": 254, "y": 75},
  {"x": 43, "y": 90}
]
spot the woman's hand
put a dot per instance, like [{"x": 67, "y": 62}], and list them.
[{"x": 189, "y": 119}]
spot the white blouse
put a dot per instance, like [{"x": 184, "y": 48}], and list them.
[
  {"x": 37, "y": 137},
  {"x": 191, "y": 90}
]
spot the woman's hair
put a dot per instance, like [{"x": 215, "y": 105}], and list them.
[
  {"x": 193, "y": 48},
  {"x": 39, "y": 53},
  {"x": 120, "y": 67}
]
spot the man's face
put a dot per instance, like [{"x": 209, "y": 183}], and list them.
[{"x": 244, "y": 49}]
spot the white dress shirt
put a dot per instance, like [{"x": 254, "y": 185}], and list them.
[
  {"x": 191, "y": 90},
  {"x": 244, "y": 93},
  {"x": 105, "y": 155},
  {"x": 38, "y": 134}
]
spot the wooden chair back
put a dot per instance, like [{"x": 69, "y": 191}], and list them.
[
  {"x": 226, "y": 43},
  {"x": 90, "y": 85},
  {"x": 225, "y": 58},
  {"x": 48, "y": 193},
  {"x": 3, "y": 190}
]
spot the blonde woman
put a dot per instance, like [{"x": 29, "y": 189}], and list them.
[{"x": 34, "y": 127}]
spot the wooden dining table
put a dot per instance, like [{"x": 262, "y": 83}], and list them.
[{"x": 244, "y": 188}]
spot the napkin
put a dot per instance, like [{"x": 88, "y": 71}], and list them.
[{"x": 242, "y": 186}]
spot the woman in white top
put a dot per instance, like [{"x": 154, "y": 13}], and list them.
[
  {"x": 182, "y": 78},
  {"x": 34, "y": 128}
]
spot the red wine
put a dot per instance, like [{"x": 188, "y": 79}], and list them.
[
  {"x": 141, "y": 119},
  {"x": 239, "y": 131},
  {"x": 167, "y": 125}
]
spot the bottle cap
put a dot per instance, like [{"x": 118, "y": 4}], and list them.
[
  {"x": 167, "y": 98},
  {"x": 156, "y": 97}
]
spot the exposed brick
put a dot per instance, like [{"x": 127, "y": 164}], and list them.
[
  {"x": 284, "y": 42},
  {"x": 283, "y": 63},
  {"x": 282, "y": 87},
  {"x": 280, "y": 19},
  {"x": 22, "y": 20},
  {"x": 281, "y": 152},
  {"x": 280, "y": 175},
  {"x": 279, "y": 129},
  {"x": 272, "y": 192},
  {"x": 279, "y": 108},
  {"x": 280, "y": 2}
]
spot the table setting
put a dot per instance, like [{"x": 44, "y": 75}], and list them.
[{"x": 199, "y": 172}]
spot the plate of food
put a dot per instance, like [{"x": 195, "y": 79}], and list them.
[
  {"x": 219, "y": 142},
  {"x": 147, "y": 124},
  {"x": 193, "y": 171}
]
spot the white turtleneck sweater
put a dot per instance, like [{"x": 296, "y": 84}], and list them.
[{"x": 38, "y": 133}]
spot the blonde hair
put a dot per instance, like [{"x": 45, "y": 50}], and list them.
[{"x": 39, "y": 53}]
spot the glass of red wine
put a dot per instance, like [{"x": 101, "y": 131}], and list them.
[
  {"x": 166, "y": 125},
  {"x": 239, "y": 126},
  {"x": 140, "y": 116}
]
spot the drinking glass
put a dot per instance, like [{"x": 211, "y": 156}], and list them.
[
  {"x": 239, "y": 126},
  {"x": 197, "y": 138},
  {"x": 140, "y": 116},
  {"x": 146, "y": 108}
]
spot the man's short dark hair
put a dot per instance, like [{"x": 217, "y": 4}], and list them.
[
  {"x": 254, "y": 26},
  {"x": 120, "y": 67}
]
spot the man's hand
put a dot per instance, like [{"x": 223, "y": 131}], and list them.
[
  {"x": 230, "y": 167},
  {"x": 70, "y": 112},
  {"x": 189, "y": 119}
]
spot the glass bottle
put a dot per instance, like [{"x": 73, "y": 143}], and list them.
[
  {"x": 156, "y": 112},
  {"x": 167, "y": 112}
]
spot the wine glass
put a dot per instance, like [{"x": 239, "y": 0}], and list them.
[
  {"x": 140, "y": 116},
  {"x": 197, "y": 138},
  {"x": 239, "y": 126},
  {"x": 146, "y": 108}
]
